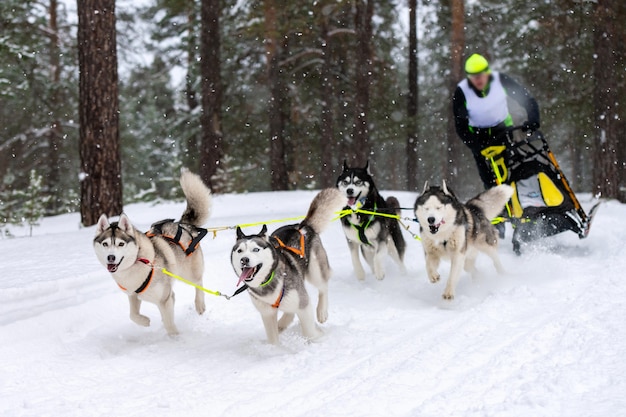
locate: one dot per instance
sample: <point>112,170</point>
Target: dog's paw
<point>448,296</point>
<point>434,278</point>
<point>141,320</point>
<point>380,276</point>
<point>360,275</point>
<point>322,314</point>
<point>200,307</point>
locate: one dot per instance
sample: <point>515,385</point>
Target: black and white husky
<point>457,231</point>
<point>275,268</point>
<point>135,259</point>
<point>376,236</point>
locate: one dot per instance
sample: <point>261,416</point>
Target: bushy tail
<point>492,201</point>
<point>393,206</point>
<point>323,209</point>
<point>198,197</point>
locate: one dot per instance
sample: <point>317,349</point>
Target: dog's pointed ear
<point>240,234</point>
<point>103,224</point>
<point>367,168</point>
<point>425,187</point>
<point>125,225</point>
<point>445,188</point>
<point>345,165</point>
<point>263,231</point>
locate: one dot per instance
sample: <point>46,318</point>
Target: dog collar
<point>267,281</point>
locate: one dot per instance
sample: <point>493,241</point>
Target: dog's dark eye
<point>256,250</point>
<point>121,244</point>
<point>239,250</point>
<point>105,244</point>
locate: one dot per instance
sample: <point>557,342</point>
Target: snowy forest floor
<point>547,339</point>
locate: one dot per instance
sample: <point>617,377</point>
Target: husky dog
<point>450,229</point>
<point>135,260</point>
<point>374,235</point>
<point>274,268</point>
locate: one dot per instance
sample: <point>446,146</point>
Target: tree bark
<point>412,103</point>
<point>606,152</point>
<point>457,46</point>
<point>327,177</point>
<point>101,176</point>
<point>278,163</point>
<point>364,10</point>
<point>56,132</point>
<point>191,151</point>
<point>211,117</point>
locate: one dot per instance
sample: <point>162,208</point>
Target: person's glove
<point>530,127</point>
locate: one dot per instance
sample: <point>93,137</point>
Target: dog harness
<point>144,286</point>
<point>362,227</point>
<point>298,251</point>
<point>157,230</point>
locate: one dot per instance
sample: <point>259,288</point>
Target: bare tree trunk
<point>211,118</point>
<point>457,45</point>
<point>606,175</point>
<point>412,103</point>
<point>278,164</point>
<point>364,10</point>
<point>101,176</point>
<point>327,177</point>
<point>191,148</point>
<point>55,133</point>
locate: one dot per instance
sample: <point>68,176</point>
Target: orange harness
<point>157,230</point>
<point>144,286</point>
<point>300,252</point>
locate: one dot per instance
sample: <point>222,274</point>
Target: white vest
<point>487,111</point>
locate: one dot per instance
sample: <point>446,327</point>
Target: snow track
<point>547,339</point>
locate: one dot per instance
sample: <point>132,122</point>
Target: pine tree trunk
<point>412,103</point>
<point>278,163</point>
<point>101,176</point>
<point>457,46</point>
<point>191,156</point>
<point>607,44</point>
<point>327,177</point>
<point>360,133</point>
<point>211,118</point>
<point>56,132</point>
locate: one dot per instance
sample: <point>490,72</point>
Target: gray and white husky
<point>375,236</point>
<point>275,268</point>
<point>457,231</point>
<point>135,259</point>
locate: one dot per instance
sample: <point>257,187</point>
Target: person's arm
<point>461,117</point>
<point>522,96</point>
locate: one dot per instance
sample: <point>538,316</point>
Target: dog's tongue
<point>112,267</point>
<point>245,274</point>
<point>351,201</point>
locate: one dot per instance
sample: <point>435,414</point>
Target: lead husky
<point>135,259</point>
<point>376,236</point>
<point>274,268</point>
<point>450,229</point>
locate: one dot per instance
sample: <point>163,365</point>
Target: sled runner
<point>543,203</point>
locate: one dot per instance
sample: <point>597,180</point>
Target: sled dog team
<point>274,267</point>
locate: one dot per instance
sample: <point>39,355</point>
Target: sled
<point>543,203</point>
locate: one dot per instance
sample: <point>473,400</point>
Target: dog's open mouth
<point>113,267</point>
<point>434,228</point>
<point>352,200</point>
<point>248,272</point>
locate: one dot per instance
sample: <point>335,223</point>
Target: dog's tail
<point>393,206</point>
<point>492,201</point>
<point>324,208</point>
<point>198,197</point>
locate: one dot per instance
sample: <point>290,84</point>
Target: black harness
<point>197,234</point>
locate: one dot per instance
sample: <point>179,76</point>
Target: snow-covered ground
<point>548,339</point>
